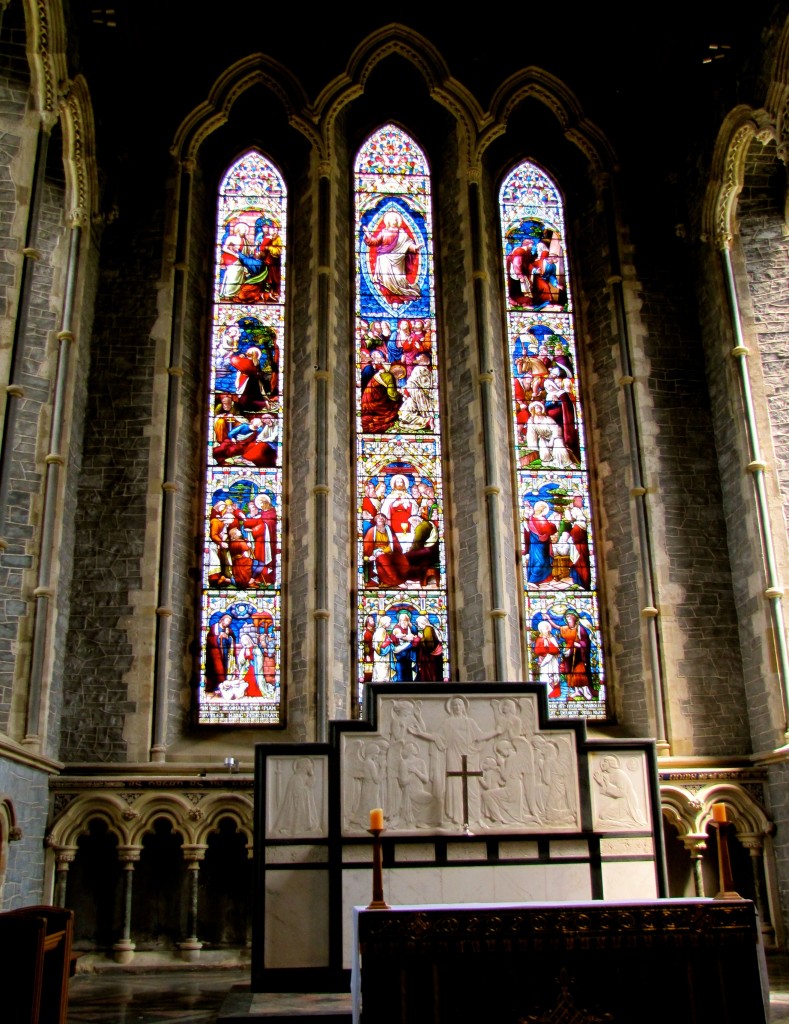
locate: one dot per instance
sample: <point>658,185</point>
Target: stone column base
<point>190,950</point>
<point>123,951</point>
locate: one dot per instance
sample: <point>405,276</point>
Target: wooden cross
<point>464,775</point>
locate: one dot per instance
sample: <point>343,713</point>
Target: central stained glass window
<point>401,561</point>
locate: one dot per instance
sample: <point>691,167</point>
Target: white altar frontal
<point>485,801</point>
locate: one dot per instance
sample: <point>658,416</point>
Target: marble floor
<point>196,996</point>
<point>189,997</point>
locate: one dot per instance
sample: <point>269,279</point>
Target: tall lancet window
<point>401,562</point>
<point>242,572</point>
<point>559,568</point>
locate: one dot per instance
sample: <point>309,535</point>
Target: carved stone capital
<point>129,854</point>
<point>194,852</point>
<point>695,843</point>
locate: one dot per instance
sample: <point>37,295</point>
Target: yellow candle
<point>377,818</point>
<point>719,812</point>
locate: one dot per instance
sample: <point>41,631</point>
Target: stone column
<point>191,946</point>
<point>124,948</point>
<point>64,856</point>
<point>696,844</point>
<point>754,843</point>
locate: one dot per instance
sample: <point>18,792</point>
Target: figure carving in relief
<point>366,771</point>
<point>457,735</point>
<point>556,791</point>
<point>622,806</point>
<point>297,814</point>
<point>502,804</point>
<point>510,726</point>
<point>416,802</point>
<point>404,717</point>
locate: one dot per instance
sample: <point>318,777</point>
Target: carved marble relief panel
<point>296,797</point>
<point>619,791</point>
<point>457,763</point>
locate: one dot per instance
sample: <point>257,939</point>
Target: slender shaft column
<point>696,844</point>
<point>321,614</point>
<point>64,857</point>
<point>638,491</point>
<point>124,947</point>
<point>774,590</point>
<point>487,390</point>
<point>15,391</point>
<point>191,946</point>
<point>56,458</point>
<point>164,611</point>
<point>754,844</point>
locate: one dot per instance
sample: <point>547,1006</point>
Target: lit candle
<point>377,818</point>
<point>719,812</point>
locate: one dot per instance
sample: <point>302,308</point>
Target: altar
<point>485,800</point>
<point>688,961</point>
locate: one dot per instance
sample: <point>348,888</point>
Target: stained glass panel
<point>242,571</point>
<point>559,567</point>
<point>400,556</point>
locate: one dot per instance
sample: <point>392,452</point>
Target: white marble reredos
<point>520,780</point>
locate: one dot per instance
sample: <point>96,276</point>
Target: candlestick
<point>377,902</point>
<point>719,812</point>
<point>377,819</point>
<point>725,880</point>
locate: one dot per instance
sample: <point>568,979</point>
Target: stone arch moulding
<point>738,128</point>
<point>46,50</point>
<point>75,820</point>
<point>535,83</point>
<point>257,69</point>
<point>727,173</point>
<point>79,153</point>
<point>218,806</point>
<point>130,820</point>
<point>396,39</point>
<point>690,812</point>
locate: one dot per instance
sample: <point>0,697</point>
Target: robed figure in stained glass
<point>394,254</point>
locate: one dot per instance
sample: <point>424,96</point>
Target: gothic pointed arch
<point>257,69</point>
<point>47,51</point>
<point>397,40</point>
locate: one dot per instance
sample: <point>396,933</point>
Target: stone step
<point>281,1007</point>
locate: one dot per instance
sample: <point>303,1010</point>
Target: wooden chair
<point>36,944</point>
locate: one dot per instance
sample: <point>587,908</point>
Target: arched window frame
<point>560,579</point>
<point>401,564</point>
<point>241,608</point>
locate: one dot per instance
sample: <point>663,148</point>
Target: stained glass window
<point>401,562</point>
<point>242,572</point>
<point>559,567</point>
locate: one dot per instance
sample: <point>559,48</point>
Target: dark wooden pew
<point>36,963</point>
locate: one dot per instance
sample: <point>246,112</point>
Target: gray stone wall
<point>77,354</point>
<point>610,462</point>
<point>340,426</point>
<point>778,794</point>
<point>743,546</point>
<point>15,180</point>
<point>186,555</point>
<point>698,627</point>
<point>468,575</point>
<point>765,248</point>
<point>300,455</point>
<point>27,789</point>
<point>111,506</point>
